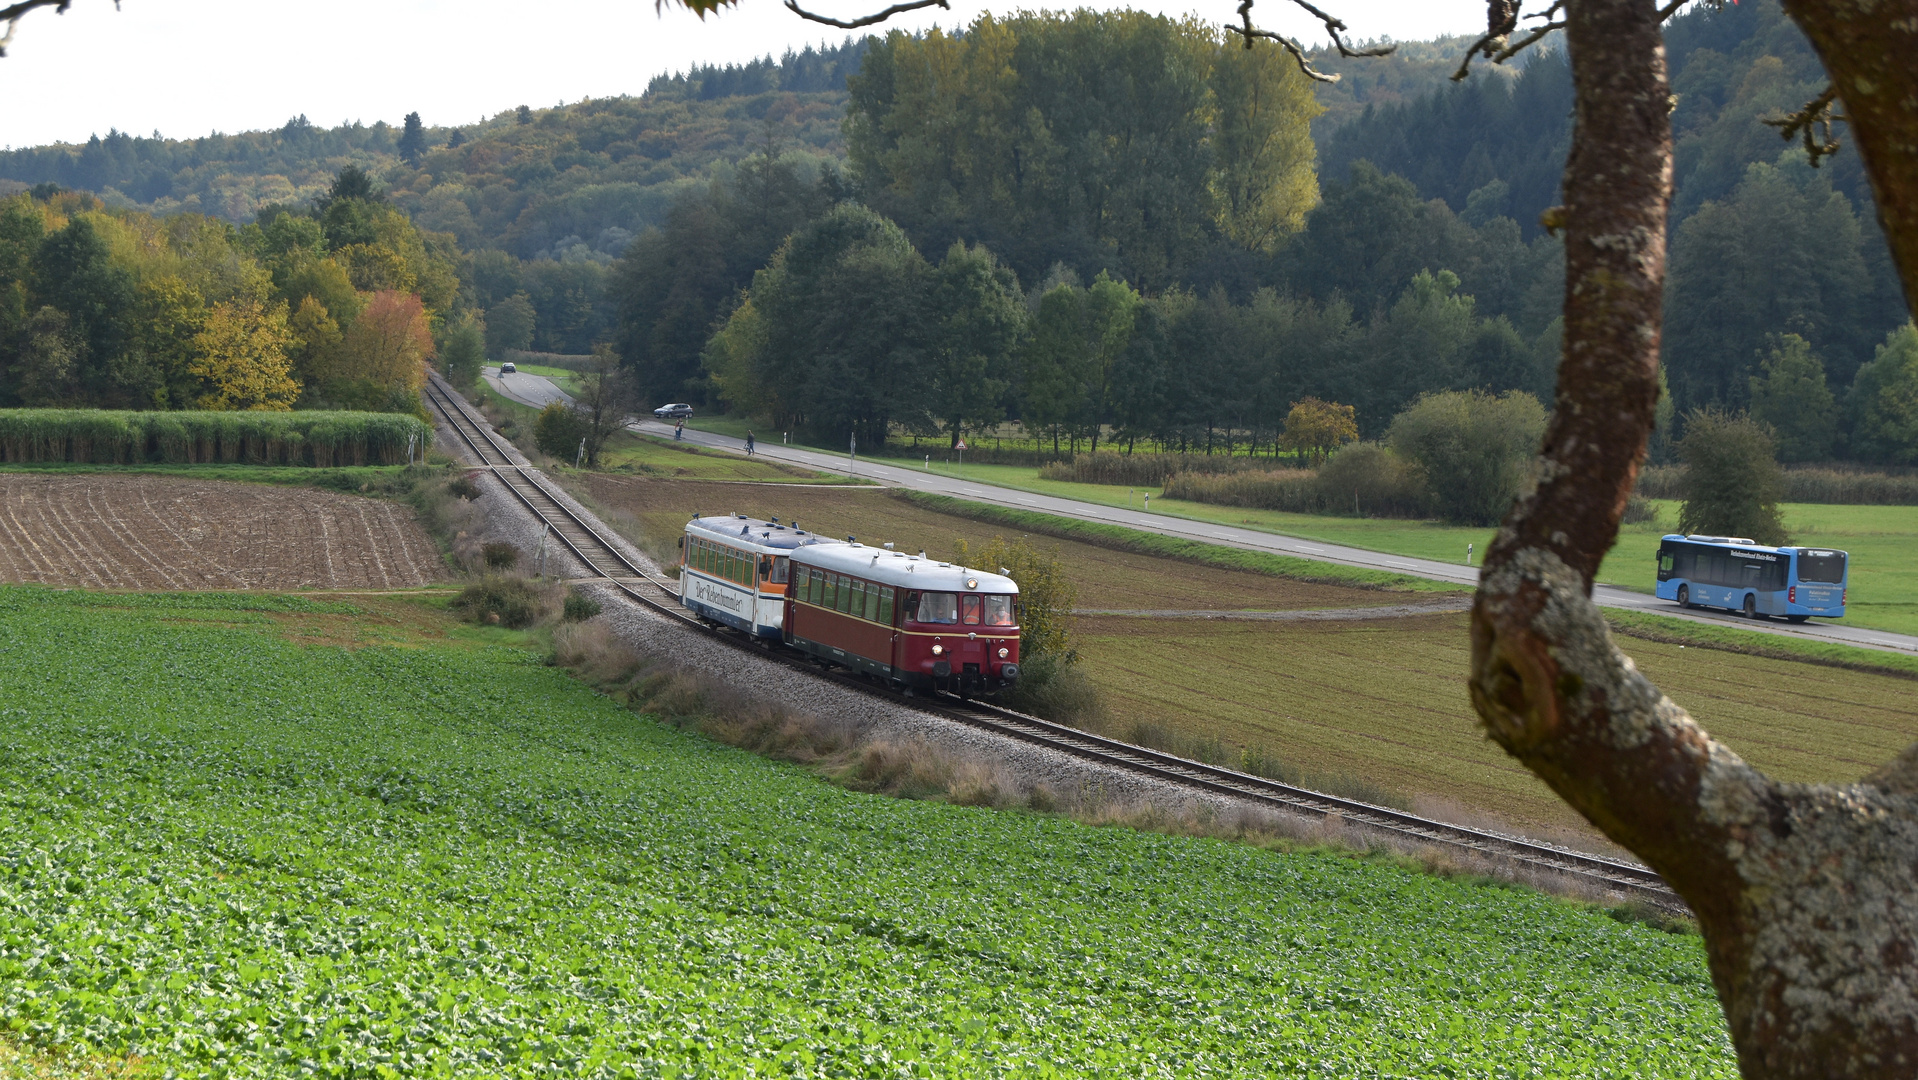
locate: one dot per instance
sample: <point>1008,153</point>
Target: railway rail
<point>604,560</point>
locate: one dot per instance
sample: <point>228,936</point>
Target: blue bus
<point>1736,574</point>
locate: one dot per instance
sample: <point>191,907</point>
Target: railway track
<point>605,560</point>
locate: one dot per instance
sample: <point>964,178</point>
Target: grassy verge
<point>1170,547</point>
<point>1777,647</point>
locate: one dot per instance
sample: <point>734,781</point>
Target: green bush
<point>1732,479</point>
<point>309,438</point>
<point>1370,480</point>
<point>1476,450</point>
<point>558,430</point>
<point>579,607</point>
<point>500,556</point>
<point>1838,485</point>
<point>494,600</point>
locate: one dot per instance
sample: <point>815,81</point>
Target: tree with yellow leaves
<point>240,357</point>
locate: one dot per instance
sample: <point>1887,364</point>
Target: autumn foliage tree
<point>1315,428</point>
<point>385,352</point>
<point>241,357</point>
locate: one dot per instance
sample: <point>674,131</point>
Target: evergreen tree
<point>412,142</point>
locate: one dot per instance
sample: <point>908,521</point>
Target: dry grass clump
<point>510,601</point>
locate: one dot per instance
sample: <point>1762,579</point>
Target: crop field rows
<point>107,531</point>
<point>235,854</point>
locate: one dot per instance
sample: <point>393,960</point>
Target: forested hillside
<point>1195,235</point>
<point>1763,244</point>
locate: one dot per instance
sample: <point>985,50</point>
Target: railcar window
<point>846,586</point>
<point>872,603</point>
<point>782,570</point>
<point>1822,567</point>
<point>831,597</point>
<point>998,611</point>
<point>816,587</point>
<point>938,607</point>
<point>971,609</point>
<point>885,604</point>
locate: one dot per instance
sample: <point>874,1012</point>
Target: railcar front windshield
<point>1821,567</point>
<point>938,607</point>
<point>998,611</point>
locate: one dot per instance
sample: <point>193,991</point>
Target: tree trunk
<point>1805,893</point>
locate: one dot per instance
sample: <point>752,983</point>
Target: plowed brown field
<point>113,531</point>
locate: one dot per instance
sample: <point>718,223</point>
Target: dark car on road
<point>673,412</point>
<point>507,368</point>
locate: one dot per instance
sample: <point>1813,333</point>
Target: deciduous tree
<point>1315,428</point>
<point>1732,479</point>
<point>240,357</point>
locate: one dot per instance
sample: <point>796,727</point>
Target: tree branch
<point>12,13</point>
<point>1814,123</point>
<point>1333,27</point>
<point>879,17</point>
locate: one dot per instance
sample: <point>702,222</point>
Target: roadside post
<point>581,455</point>
<point>852,449</point>
<point>1468,554</point>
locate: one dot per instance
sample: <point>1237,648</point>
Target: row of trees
<point>331,307</point>
<point>850,328</point>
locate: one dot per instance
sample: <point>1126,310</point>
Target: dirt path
<point>114,531</point>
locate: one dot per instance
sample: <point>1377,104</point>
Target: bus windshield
<point>1821,567</point>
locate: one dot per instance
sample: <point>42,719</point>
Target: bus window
<point>782,570</point>
<point>998,611</point>
<point>971,610</point>
<point>1666,559</point>
<point>938,607</point>
<point>1822,567</point>
<point>885,604</point>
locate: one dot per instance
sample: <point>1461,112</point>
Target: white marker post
<point>852,449</point>
<point>962,454</point>
<point>1468,554</point>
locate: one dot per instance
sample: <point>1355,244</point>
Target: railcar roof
<point>900,570</point>
<point>742,531</point>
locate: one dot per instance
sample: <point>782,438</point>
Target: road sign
<point>961,446</point>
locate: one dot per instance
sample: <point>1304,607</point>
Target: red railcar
<point>905,618</point>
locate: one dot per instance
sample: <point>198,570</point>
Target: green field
<point>259,836</point>
<point>1883,540</point>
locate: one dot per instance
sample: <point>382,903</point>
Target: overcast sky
<point>188,67</point>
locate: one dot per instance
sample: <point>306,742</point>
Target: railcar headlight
<point>938,650</point>
<point>1003,653</point>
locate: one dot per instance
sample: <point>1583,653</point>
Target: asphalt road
<point>535,390</point>
<point>886,472</point>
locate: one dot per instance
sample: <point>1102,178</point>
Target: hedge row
<point>1804,484</point>
<point>102,437</point>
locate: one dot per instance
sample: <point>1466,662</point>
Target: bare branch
<point>11,15</point>
<point>854,24</point>
<point>1813,123</point>
<point>1333,25</point>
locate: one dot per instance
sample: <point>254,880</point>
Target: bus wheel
<point>1796,618</point>
<point>1685,596</point>
<point>1751,606</point>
